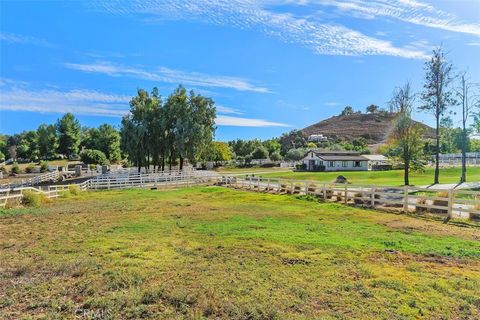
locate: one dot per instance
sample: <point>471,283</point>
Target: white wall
<point>337,165</point>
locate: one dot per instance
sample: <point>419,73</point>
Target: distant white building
<point>318,160</point>
<point>317,138</point>
<point>378,162</point>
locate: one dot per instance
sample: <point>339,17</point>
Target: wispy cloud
<point>332,103</point>
<point>246,122</point>
<point>17,96</point>
<point>227,110</point>
<point>410,11</point>
<point>322,38</point>
<point>163,74</point>
<point>87,102</point>
<point>23,39</point>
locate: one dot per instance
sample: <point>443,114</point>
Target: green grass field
<point>387,178</point>
<point>218,253</point>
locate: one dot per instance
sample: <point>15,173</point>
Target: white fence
<point>453,202</point>
<point>115,180</point>
<point>46,177</point>
<point>455,159</point>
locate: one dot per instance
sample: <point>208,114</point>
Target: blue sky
<point>270,66</point>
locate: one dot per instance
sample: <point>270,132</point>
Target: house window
<point>357,164</point>
<point>320,163</point>
<point>344,164</point>
<point>331,163</point>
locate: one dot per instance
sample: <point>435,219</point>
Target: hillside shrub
<point>31,199</point>
<point>29,168</point>
<point>15,168</point>
<point>3,169</point>
<point>43,166</point>
<point>91,156</point>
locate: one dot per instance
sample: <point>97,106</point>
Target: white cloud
<point>163,74</point>
<point>22,39</point>
<point>474,44</point>
<point>322,38</point>
<point>227,110</point>
<point>86,102</point>
<point>332,103</point>
<point>16,96</point>
<point>246,122</point>
<point>410,11</point>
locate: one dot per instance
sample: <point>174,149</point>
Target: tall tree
<point>406,134</point>
<point>292,140</point>
<point>437,95</point>
<point>105,138</point>
<point>47,141</point>
<point>69,130</point>
<point>469,101</point>
<point>3,146</point>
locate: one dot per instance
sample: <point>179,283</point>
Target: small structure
<point>317,138</point>
<point>378,162</point>
<point>321,160</point>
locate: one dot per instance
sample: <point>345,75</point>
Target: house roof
<point>375,157</point>
<point>342,158</point>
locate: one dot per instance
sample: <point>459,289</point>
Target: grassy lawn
<point>389,178</point>
<point>213,252</point>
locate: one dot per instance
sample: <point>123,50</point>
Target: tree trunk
<point>463,178</point>
<point>406,180</point>
<point>437,151</point>
<point>181,163</point>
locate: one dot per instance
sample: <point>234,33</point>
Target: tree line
<point>444,92</point>
<point>66,138</point>
<point>156,132</point>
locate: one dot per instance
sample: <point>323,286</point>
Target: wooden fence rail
<point>452,202</point>
<point>165,179</point>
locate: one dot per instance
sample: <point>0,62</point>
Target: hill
<point>375,128</point>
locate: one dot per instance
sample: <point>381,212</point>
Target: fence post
<point>268,184</point>
<point>372,195</point>
<point>324,191</point>
<point>306,188</point>
<point>346,193</point>
<point>405,199</point>
<point>450,203</point>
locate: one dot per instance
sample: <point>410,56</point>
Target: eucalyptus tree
<point>437,95</point>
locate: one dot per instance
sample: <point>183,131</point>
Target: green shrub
<point>90,156</point>
<point>31,199</point>
<point>29,168</point>
<point>74,189</point>
<point>43,166</point>
<point>15,168</point>
<point>3,169</point>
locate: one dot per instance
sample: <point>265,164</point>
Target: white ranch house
<point>335,161</point>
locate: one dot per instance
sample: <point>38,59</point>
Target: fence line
<point>452,202</point>
<point>163,179</point>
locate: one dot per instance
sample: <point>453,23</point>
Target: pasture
<point>212,252</point>
<point>381,178</point>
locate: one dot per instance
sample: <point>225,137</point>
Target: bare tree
<point>469,101</point>
<point>406,133</point>
<point>437,96</point>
